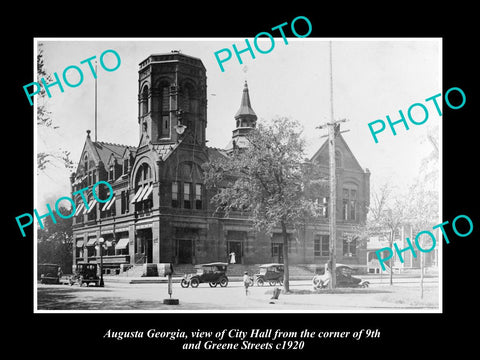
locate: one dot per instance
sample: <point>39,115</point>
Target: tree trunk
<point>392,259</point>
<point>286,275</point>
<point>422,266</point>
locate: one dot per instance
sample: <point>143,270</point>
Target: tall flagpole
<point>95,101</point>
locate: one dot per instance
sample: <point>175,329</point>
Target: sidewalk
<point>177,278</point>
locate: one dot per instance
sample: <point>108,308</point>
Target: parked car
<point>49,273</point>
<point>212,273</point>
<point>85,273</point>
<point>344,278</point>
<point>273,273</point>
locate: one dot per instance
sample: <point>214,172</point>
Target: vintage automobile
<point>344,278</point>
<point>49,273</point>
<point>273,273</point>
<point>212,273</point>
<point>85,273</point>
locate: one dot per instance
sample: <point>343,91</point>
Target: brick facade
<point>161,212</point>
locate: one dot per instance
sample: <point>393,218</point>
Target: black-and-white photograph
<point>279,174</point>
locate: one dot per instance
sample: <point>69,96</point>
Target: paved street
<point>120,295</point>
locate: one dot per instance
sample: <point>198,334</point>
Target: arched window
<point>165,110</point>
<point>338,159</point>
<point>144,100</point>
<point>143,198</point>
<point>85,162</point>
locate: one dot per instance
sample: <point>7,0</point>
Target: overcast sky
<point>372,78</point>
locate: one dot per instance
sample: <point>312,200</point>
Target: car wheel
<point>272,283</point>
<point>212,284</point>
<point>260,282</point>
<point>184,283</point>
<point>194,283</point>
<point>224,282</point>
<point>365,284</point>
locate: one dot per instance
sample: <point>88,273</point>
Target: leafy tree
<point>45,121</point>
<point>266,180</point>
<point>55,241</point>
<point>386,214</point>
<point>424,200</point>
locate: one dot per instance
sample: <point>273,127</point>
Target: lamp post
<point>100,243</point>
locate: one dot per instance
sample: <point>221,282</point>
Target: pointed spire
<point>245,106</point>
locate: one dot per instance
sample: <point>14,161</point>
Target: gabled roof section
<point>215,153</point>
<point>105,150</point>
<point>101,151</point>
<point>340,144</point>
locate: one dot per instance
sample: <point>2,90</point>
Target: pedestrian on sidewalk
<point>246,281</point>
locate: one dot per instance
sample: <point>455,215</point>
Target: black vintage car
<point>344,278</point>
<point>85,273</point>
<point>271,273</point>
<point>49,273</point>
<point>213,273</point>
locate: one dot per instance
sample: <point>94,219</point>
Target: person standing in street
<point>246,281</point>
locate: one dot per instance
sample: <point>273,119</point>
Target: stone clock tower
<point>172,99</point>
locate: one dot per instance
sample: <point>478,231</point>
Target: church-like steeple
<point>246,120</point>
<point>246,112</point>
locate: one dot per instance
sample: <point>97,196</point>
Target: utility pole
<point>333,131</point>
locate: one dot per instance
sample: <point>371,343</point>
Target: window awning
<point>79,209</point>
<point>142,194</point>
<point>137,194</point>
<point>149,191</point>
<point>109,204</point>
<point>91,205</point>
<point>122,244</point>
<point>92,242</point>
<point>80,243</point>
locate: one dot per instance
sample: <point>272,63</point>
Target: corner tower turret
<point>172,101</point>
<point>246,121</point>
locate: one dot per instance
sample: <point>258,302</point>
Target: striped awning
<point>79,209</point>
<point>91,205</point>
<point>92,242</point>
<point>149,191</point>
<point>108,204</point>
<point>137,194</point>
<point>122,244</point>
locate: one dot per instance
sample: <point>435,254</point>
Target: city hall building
<point>160,210</point>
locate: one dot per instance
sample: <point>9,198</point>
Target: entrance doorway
<point>144,245</point>
<point>236,248</point>
<point>277,252</point>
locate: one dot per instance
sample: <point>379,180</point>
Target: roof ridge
<point>109,143</point>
